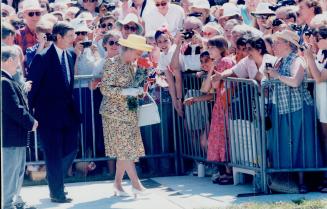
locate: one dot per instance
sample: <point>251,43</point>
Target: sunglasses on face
<point>31,14</point>
<point>43,5</point>
<point>262,17</point>
<point>163,4</point>
<point>4,14</point>
<point>108,26</point>
<point>130,28</point>
<point>81,33</point>
<point>111,43</point>
<point>91,1</point>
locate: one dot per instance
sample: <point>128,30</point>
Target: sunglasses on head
<point>163,4</point>
<point>31,14</point>
<point>83,33</point>
<point>111,43</point>
<point>130,28</point>
<point>91,1</point>
<point>108,26</point>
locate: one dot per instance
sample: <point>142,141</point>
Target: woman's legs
<point>131,171</point>
<point>120,171</point>
<point>129,167</point>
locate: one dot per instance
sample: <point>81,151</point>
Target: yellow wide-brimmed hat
<point>137,42</point>
<point>289,36</point>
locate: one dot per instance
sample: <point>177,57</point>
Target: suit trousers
<point>60,149</point>
<point>14,161</point>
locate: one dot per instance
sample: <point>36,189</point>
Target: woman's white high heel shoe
<point>137,192</point>
<point>120,193</point>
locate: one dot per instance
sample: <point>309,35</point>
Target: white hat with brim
<point>263,9</point>
<point>230,9</point>
<point>289,36</point>
<point>98,4</point>
<point>128,19</point>
<point>74,10</point>
<point>85,16</point>
<point>9,9</point>
<point>135,42</point>
<point>31,5</point>
<point>201,4</point>
<point>80,26</point>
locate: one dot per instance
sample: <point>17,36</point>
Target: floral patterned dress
<point>122,137</point>
<point>217,133</point>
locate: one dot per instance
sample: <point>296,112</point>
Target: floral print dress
<point>217,134</point>
<point>122,137</point>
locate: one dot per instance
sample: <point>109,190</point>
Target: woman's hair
<point>315,4</point>
<point>107,17</point>
<point>241,41</point>
<point>215,26</point>
<point>219,42</point>
<point>109,35</point>
<point>163,31</point>
<point>258,44</point>
<point>7,29</point>
<point>204,54</point>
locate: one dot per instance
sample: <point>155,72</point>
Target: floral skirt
<point>122,139</point>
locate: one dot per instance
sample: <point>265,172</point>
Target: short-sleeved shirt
<point>173,19</point>
<point>246,68</point>
<point>25,38</point>
<point>165,59</point>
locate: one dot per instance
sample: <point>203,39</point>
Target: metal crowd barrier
<point>155,143</point>
<point>308,156</point>
<point>193,128</point>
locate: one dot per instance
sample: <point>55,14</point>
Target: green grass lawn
<point>295,204</point>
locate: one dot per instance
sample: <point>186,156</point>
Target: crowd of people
<point>138,47</point>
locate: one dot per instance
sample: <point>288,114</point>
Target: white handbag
<point>148,114</point>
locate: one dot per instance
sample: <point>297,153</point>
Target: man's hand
<point>79,49</point>
<point>27,86</point>
<point>36,124</point>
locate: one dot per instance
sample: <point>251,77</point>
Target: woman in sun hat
<point>289,132</point>
<point>201,8</point>
<point>120,123</point>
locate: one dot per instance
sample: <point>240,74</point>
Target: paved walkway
<point>166,192</point>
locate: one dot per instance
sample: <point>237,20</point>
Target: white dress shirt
<point>59,52</point>
<point>173,20</point>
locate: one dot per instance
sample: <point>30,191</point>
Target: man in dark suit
<point>51,97</point>
<point>16,122</point>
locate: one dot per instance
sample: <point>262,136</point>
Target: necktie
<point>64,68</point>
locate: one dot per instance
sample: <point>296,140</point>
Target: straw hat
<point>201,4</point>
<point>289,36</point>
<point>263,9</point>
<point>9,9</point>
<point>131,17</point>
<point>81,2</point>
<point>135,42</point>
<point>29,5</point>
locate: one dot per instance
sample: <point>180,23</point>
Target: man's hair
<point>315,4</point>
<point>7,52</point>
<point>61,28</point>
<point>7,29</point>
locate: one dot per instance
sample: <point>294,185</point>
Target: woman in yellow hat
<point>120,123</point>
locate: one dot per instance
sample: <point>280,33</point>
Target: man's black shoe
<point>61,200</point>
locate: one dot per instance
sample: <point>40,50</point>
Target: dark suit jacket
<point>50,98</point>
<point>16,119</point>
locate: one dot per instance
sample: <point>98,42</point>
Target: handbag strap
<point>150,97</point>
